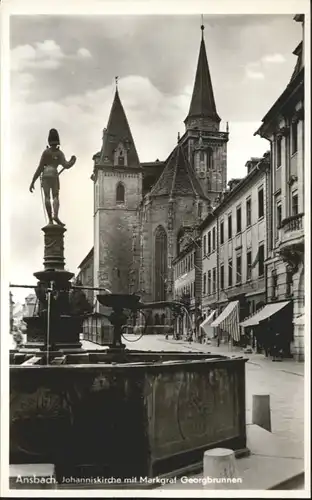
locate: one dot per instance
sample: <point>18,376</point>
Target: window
<point>200,210</point>
<point>209,158</point>
<point>294,204</point>
<point>248,212</point>
<point>120,193</point>
<point>230,226</point>
<point>274,284</point>
<point>161,264</point>
<point>205,284</point>
<point>222,276</point>
<point>209,242</point>
<point>238,269</point>
<point>230,273</point>
<point>278,152</point>
<point>261,260</point>
<point>121,159</point>
<point>222,232</point>
<point>213,239</point>
<point>214,280</point>
<point>204,245</point>
<point>248,265</point>
<point>201,156</point>
<point>238,219</point>
<point>260,203</point>
<point>278,214</point>
<point>294,137</point>
<point>209,282</point>
<point>289,281</point>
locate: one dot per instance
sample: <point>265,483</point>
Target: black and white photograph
<point>155,193</point>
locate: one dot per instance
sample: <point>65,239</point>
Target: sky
<point>62,75</point>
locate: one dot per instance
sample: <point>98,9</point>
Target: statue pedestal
<point>60,329</point>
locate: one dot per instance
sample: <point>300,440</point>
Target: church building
<point>145,213</point>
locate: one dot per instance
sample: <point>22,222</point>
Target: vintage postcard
<point>155,188</point>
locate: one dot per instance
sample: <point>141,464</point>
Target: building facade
<point>234,244</point>
<point>283,127</point>
<point>86,276</point>
<point>187,280</point>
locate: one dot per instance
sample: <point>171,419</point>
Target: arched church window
<point>209,158</point>
<point>201,156</point>
<point>120,193</point>
<point>200,210</point>
<point>161,263</point>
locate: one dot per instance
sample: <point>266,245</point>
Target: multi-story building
<point>187,280</point>
<point>234,244</point>
<point>30,305</point>
<point>85,275</point>
<point>283,126</point>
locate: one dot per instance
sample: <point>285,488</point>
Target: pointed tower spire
<point>117,137</point>
<point>202,104</point>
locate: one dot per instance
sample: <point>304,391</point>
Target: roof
<point>263,164</point>
<point>295,83</point>
<point>87,257</point>
<point>117,131</point>
<point>178,178</point>
<point>297,52</point>
<point>203,103</point>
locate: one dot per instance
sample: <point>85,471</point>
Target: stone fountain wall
<point>91,419</point>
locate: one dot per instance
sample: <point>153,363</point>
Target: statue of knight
<point>51,158</point>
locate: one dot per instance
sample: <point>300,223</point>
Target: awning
<point>228,320</point>
<point>207,321</point>
<point>266,312</point>
<point>225,313</point>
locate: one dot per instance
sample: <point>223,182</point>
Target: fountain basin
<point>149,415</point>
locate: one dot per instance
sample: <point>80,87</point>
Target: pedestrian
<point>279,348</point>
<point>189,335</point>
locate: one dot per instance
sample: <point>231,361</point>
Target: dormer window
<point>120,157</point>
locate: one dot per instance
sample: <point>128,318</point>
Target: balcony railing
<point>293,223</point>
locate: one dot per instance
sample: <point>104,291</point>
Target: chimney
<point>233,183</point>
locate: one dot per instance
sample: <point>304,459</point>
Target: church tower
<point>203,143</point>
<point>117,178</point>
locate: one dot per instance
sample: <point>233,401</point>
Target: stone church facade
<point>145,213</point>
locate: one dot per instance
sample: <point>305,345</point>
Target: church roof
<point>117,131</point>
<point>203,103</point>
<point>178,178</point>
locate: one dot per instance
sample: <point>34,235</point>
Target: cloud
<point>253,71</point>
<point>47,55</point>
<point>42,55</point>
<point>85,53</point>
<point>274,58</point>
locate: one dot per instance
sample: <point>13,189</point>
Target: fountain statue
<point>51,158</point>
